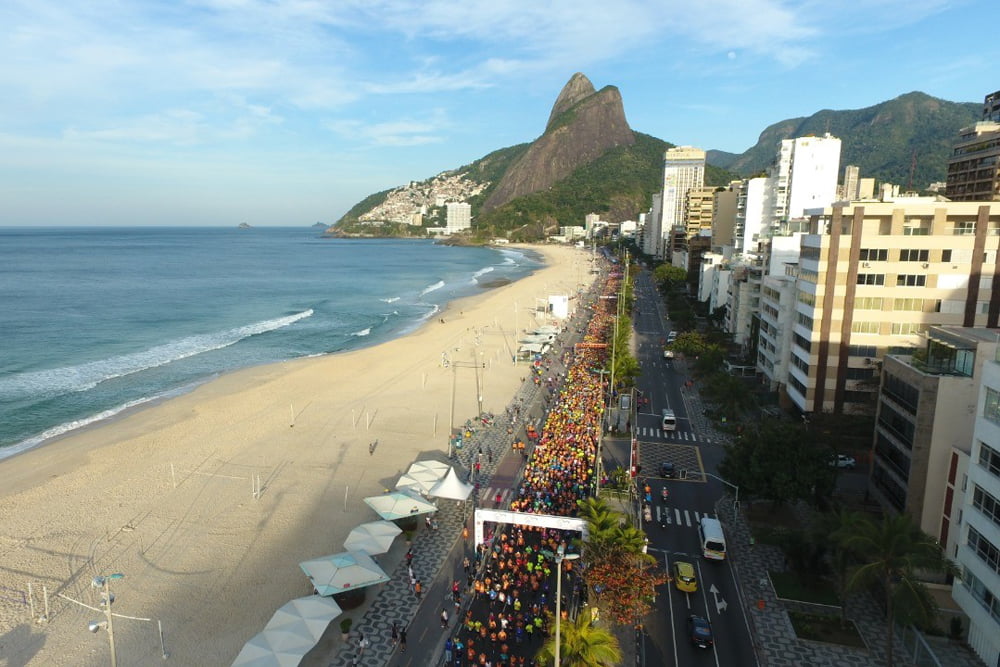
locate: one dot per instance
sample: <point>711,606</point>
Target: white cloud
<point>401,132</point>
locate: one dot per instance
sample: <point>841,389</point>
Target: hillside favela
<point>590,400</point>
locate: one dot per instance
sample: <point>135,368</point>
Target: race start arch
<point>526,519</point>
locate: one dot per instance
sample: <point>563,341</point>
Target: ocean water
<point>94,321</point>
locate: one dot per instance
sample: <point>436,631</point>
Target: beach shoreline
<point>163,494</point>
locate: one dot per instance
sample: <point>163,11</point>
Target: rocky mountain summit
<point>583,125</point>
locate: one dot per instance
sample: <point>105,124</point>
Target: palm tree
<point>891,553</point>
<point>582,644</point>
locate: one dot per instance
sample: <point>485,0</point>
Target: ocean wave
<point>393,299</point>
<point>482,271</point>
<point>363,332</point>
<point>68,379</point>
<point>62,429</point>
<point>430,288</point>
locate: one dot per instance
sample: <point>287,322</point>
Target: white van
<point>713,542</point>
<point>669,420</point>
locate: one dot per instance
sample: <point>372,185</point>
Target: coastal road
<point>673,533</point>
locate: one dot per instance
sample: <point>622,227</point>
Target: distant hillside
<point>880,139</point>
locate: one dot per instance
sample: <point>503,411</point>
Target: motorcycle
<point>664,494</point>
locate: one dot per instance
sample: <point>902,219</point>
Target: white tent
<point>343,572</point>
<point>451,487</point>
<point>422,475</point>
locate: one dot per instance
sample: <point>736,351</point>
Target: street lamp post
<point>105,583</point>
<point>560,557</point>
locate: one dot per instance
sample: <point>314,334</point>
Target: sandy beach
<point>164,495</point>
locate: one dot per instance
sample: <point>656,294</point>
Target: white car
<point>843,461</point>
<point>668,354</point>
<point>672,336</point>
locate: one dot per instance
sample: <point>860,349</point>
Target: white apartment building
<point>977,553</point>
<point>683,169</point>
<point>751,198</point>
<point>459,217</point>
<point>774,332</point>
<point>803,177</point>
<point>872,278</point>
<point>651,231</point>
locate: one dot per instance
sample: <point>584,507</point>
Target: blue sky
<point>274,112</point>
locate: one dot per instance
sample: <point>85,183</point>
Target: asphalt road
<point>673,532</point>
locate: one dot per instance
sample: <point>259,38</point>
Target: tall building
<point>991,107</point>
<point>724,215</point>
<point>459,217</point>
<point>849,190</point>
<point>974,165</point>
<point>683,169</point>
<point>872,278</point>
<point>924,421</point>
<point>698,210</point>
<point>751,205</point>
<point>977,553</point>
<point>804,176</point>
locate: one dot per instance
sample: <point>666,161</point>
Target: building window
<point>984,549</point>
<point>989,459</point>
<point>913,255</point>
<point>863,351</point>
<point>871,279</point>
<point>991,408</point>
<point>865,327</point>
<point>910,280</point>
<point>946,255</point>
<point>986,503</point>
<point>802,342</point>
<point>908,328</point>
<point>874,254</point>
<point>806,298</point>
<point>965,227</point>
<point>802,319</point>
<point>868,303</point>
<point>902,392</point>
<point>979,591</point>
<point>797,385</point>
<point>800,364</point>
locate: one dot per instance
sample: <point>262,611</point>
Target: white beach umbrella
<point>372,538</point>
<point>398,505</point>
<point>274,648</point>
<point>308,615</point>
<point>343,572</point>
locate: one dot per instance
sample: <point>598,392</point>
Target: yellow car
<point>684,577</point>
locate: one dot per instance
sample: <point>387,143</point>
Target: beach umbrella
<point>307,616</point>
<point>419,483</point>
<point>451,487</point>
<point>274,648</point>
<point>399,505</point>
<point>343,572</point>
<point>430,468</point>
<point>372,538</point>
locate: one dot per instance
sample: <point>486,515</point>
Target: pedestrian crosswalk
<point>672,516</point>
<point>649,432</point>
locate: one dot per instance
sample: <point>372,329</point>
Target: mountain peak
<point>576,89</point>
<point>583,126</point>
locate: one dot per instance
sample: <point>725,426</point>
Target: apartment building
<point>974,165</point>
<point>751,198</point>
<point>924,426</point>
<point>977,552</point>
<point>872,278</point>
<point>699,206</point>
<point>804,176</point>
<point>459,217</point>
<point>683,169</point>
<point>774,331</point>
<point>724,215</point>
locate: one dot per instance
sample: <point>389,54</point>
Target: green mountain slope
<point>881,139</point>
<point>619,185</point>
